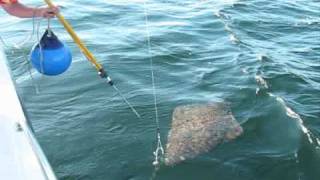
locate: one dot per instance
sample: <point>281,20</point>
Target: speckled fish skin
<point>197,129</point>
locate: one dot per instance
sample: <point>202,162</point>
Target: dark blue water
<point>263,57</point>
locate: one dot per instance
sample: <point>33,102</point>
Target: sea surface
<point>260,56</point>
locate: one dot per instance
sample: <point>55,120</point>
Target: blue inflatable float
<point>53,58</point>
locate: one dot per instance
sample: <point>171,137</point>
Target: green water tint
<point>126,101</point>
<point>196,60</point>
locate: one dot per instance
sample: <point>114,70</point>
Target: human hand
<point>47,12</point>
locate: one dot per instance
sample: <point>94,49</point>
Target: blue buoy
<point>54,58</point>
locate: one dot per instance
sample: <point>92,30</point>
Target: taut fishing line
<point>102,72</point>
<point>159,152</point>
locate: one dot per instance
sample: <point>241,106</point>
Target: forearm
<point>21,10</point>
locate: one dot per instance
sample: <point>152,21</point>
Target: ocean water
<point>262,57</point>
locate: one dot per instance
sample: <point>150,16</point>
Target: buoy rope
<point>26,39</point>
<point>40,49</point>
<point>20,44</point>
<point>101,71</point>
<point>158,153</point>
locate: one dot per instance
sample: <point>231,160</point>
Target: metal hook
<point>158,152</point>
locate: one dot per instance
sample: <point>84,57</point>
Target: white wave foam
<point>296,116</point>
<point>302,50</point>
<point>227,28</point>
<point>244,71</point>
<point>308,21</point>
<point>233,38</point>
<point>217,13</point>
<point>261,81</point>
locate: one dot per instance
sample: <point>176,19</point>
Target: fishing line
<point>27,39</point>
<point>40,50</point>
<point>102,72</point>
<point>3,42</point>
<point>90,57</point>
<point>159,152</point>
<point>109,80</point>
<point>126,101</point>
<point>19,45</point>
<point>37,26</point>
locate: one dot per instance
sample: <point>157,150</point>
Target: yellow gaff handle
<point>89,55</point>
<point>77,40</point>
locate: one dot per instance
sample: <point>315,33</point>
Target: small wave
<point>117,129</point>
<point>227,28</point>
<point>234,39</point>
<point>261,82</point>
<point>296,116</point>
<point>217,3</point>
<point>302,50</point>
<point>244,71</point>
<point>168,23</point>
<point>261,56</point>
<point>27,77</point>
<point>125,2</point>
<point>222,3</point>
<point>308,21</point>
<point>217,13</point>
<point>223,18</point>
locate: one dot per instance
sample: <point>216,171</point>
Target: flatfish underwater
<point>197,129</point>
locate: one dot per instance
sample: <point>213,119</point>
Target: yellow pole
<point>89,55</point>
<point>77,40</point>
